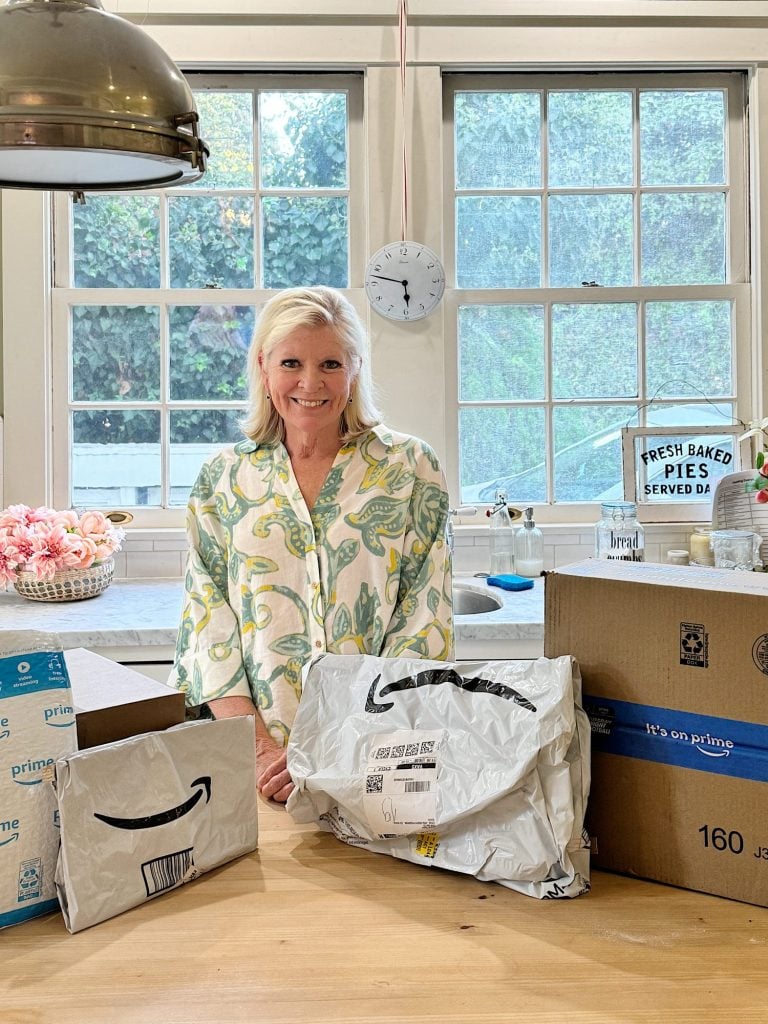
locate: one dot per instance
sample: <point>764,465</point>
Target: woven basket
<point>67,585</point>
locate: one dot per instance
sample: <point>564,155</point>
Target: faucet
<point>463,510</point>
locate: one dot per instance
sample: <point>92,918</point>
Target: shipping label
<point>401,782</point>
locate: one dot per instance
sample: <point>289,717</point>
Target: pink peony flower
<point>13,516</point>
<point>9,559</point>
<point>93,524</point>
<point>68,519</point>
<point>22,539</point>
<point>86,550</point>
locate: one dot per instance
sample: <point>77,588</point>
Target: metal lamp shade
<point>89,102</point>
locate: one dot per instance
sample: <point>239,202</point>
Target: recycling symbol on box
<point>692,643</point>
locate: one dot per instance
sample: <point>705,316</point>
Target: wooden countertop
<point>309,930</point>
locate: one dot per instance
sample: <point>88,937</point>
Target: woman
<point>323,531</point>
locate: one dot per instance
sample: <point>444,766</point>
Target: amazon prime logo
<point>9,831</point>
<point>162,817</point>
<point>436,677</point>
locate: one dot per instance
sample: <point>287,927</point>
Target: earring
<point>269,398</point>
<point>350,400</point>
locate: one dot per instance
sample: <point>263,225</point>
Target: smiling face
<point>309,378</point>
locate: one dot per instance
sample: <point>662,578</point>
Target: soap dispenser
<point>502,537</point>
<point>529,548</point>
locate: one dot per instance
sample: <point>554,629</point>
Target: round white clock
<point>404,281</point>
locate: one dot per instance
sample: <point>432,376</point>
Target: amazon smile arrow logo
<point>10,839</point>
<point>437,677</point>
<point>163,817</point>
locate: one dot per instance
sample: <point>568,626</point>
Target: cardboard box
<point>113,702</point>
<point>674,661</point>
<point>36,727</point>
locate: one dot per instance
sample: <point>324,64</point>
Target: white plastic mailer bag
<point>149,813</point>
<point>476,767</point>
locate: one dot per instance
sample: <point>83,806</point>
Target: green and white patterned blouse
<point>269,583</point>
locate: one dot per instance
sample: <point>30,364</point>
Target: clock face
<point>404,281</point>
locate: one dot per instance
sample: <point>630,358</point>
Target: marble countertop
<point>130,613</point>
<point>145,614</point>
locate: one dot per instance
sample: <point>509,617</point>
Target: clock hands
<point>382,278</point>
<point>406,296</point>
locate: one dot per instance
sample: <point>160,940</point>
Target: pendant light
<point>90,102</point>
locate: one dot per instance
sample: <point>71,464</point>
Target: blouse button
<point>318,643</point>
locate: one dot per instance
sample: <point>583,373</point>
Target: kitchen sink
<point>473,601</point>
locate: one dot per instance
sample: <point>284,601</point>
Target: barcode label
<point>166,872</point>
<point>401,782</point>
<point>416,787</point>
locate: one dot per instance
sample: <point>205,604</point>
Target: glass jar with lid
<point>618,534</point>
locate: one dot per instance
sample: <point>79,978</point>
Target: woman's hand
<point>272,778</point>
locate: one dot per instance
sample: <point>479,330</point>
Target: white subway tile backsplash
<point>463,541</point>
<point>470,559</point>
<point>119,558</point>
<point>144,564</point>
<point>169,544</point>
<point>148,553</point>
<point>564,554</point>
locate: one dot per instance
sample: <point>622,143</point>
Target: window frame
<point>737,289</point>
<point>63,296</point>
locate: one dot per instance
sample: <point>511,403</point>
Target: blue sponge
<point>510,582</point>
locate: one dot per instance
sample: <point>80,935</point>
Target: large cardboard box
<point>113,702</point>
<point>36,727</point>
<point>674,662</point>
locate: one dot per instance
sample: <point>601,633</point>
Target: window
<point>600,263</point>
<point>157,293</point>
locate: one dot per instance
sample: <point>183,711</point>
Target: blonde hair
<point>309,307</point>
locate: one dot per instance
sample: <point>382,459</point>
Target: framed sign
<point>671,472</point>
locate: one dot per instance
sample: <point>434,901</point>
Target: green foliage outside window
<point>571,152</point>
<point>212,244</point>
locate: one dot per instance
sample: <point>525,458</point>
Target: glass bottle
<point>502,537</point>
<point>618,535</point>
<point>529,548</point>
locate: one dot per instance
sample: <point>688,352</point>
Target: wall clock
<point>404,281</point>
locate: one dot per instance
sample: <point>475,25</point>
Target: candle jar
<point>701,552</point>
<point>618,535</point>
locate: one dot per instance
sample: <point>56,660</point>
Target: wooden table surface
<point>310,930</point>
